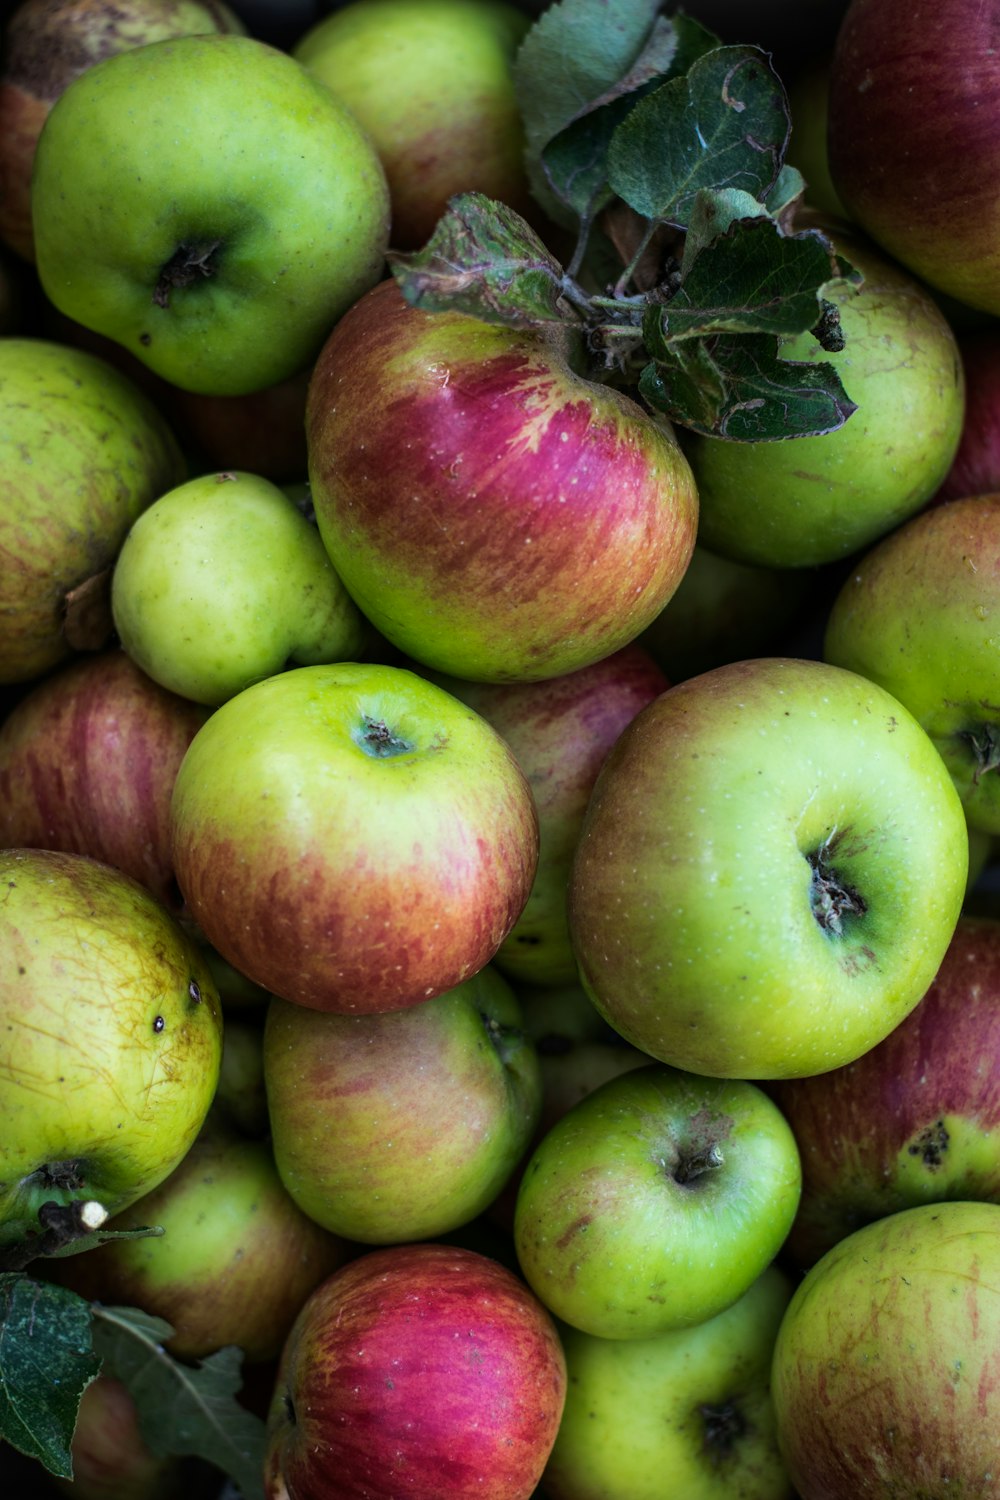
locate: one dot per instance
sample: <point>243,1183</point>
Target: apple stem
<point>695,1164</point>
<point>62,1224</point>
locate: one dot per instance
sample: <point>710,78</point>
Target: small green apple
<point>223,582</point>
<point>209,205</point>
<point>406,1125</point>
<point>656,1201</point>
<point>110,1037</point>
<point>688,1413</point>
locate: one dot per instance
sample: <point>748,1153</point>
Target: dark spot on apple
<point>931,1145</point>
<point>723,1427</point>
<point>145,339</point>
<point>527,939</point>
<point>158,1023</point>
<point>188,264</point>
<point>289,1408</point>
<point>578,1226</point>
<point>194,991</point>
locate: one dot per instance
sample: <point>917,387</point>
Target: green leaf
<point>786,194</point>
<point>104,1236</point>
<point>575,159</point>
<point>738,387</point>
<point>485,260</point>
<point>47,1360</point>
<point>725,124</point>
<point>182,1409</point>
<point>752,279</point>
<point>573,54</point>
<point>713,212</point>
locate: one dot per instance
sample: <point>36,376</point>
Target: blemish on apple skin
<point>577,1227</point>
<point>931,1145</point>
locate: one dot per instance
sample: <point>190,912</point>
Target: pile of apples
<point>497,916</point>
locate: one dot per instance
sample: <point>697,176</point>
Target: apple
<point>917,616</point>
<point>449,123</point>
<point>111,1459</point>
<point>46,43</point>
<point>401,1126</point>
<point>560,730</point>
<point>771,868</point>
<point>83,453</point>
<point>236,1260</point>
<point>655,1202</point>
<point>352,837</point>
<point>110,1038</point>
<point>88,759</point>
<point>808,101</point>
<point>916,1119</point>
<point>914,137</point>
<point>241,1095</point>
<point>975,469</point>
<point>173,214</point>
<point>263,432</point>
<point>685,1413</point>
<point>817,499</point>
<point>223,582</point>
<point>885,1377</point>
<point>495,515</point>
<point>423,1369</point>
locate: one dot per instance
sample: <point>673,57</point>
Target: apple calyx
<point>723,1426</point>
<point>378,740</point>
<point>506,1040</point>
<point>984,743</point>
<point>831,898</point>
<point>185,266</point>
<point>695,1163</point>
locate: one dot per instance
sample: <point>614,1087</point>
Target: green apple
<point>771,868</point>
<point>687,1413</point>
<point>656,1201</point>
<point>406,1125</point>
<point>241,1096</point>
<point>817,499</point>
<point>885,1375</point>
<point>209,205</point>
<point>236,1260</point>
<point>448,121</point>
<point>223,582</point>
<point>82,453</point>
<point>110,1038</point>
<point>920,616</point>
<point>352,837</point>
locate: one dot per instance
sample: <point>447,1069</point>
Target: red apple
<point>494,514</point>
<point>87,765</point>
<point>916,1119</point>
<point>419,1370</point>
<point>975,469</point>
<point>914,137</point>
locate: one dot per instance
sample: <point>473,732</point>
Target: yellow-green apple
<point>725,611</point>
<point>687,1413</point>
<point>83,453</point>
<point>817,499</point>
<point>808,102</point>
<point>450,122</point>
<point>886,1369</point>
<point>46,43</point>
<point>175,215</point>
<point>912,136</point>
<point>222,582</point>
<point>918,615</point>
<point>352,837</point>
<point>110,1038</point>
<point>771,868</point>
<point>496,515</point>
<point>560,730</point>
<point>406,1125</point>
<point>655,1201</point>
<point>975,469</point>
<point>235,1262</point>
<point>424,1365</point>
<point>916,1119</point>
<point>88,759</point>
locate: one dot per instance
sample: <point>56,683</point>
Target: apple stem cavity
<point>183,269</point>
<point>724,1426</point>
<point>984,742</point>
<point>378,739</point>
<point>695,1164</point>
<point>831,898</point>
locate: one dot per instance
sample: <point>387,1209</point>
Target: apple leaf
<point>47,1360</point>
<point>725,122</point>
<point>183,1409</point>
<point>485,260</point>
<point>738,387</point>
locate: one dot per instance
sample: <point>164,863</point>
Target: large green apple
<point>210,206</point>
<point>686,1414</point>
<point>886,1370</point>
<point>223,582</point>
<point>406,1125</point>
<point>817,499</point>
<point>770,871</point>
<point>655,1201</point>
<point>918,615</point>
<point>82,453</point>
<point>110,1037</point>
<point>449,121</point>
